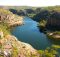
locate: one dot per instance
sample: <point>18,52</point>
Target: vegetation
<point>45,13</point>
<point>55,8</point>
<point>14,52</point>
<point>50,51</point>
<point>4,27</point>
<point>5,11</point>
<point>42,23</point>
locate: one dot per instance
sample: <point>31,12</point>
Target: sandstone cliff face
<point>10,18</point>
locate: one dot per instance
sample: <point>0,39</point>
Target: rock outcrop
<point>11,46</point>
<point>10,18</point>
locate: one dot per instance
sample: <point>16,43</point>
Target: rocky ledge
<point>54,35</point>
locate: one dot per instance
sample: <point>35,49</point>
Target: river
<point>29,33</point>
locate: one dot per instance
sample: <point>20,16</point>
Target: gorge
<point>26,33</point>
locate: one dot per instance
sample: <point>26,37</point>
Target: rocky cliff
<point>10,18</point>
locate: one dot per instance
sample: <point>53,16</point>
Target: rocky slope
<point>11,46</point>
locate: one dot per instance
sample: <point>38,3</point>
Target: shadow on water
<point>53,41</point>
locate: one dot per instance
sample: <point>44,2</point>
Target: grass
<point>4,28</point>
<point>2,11</point>
<point>31,15</point>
